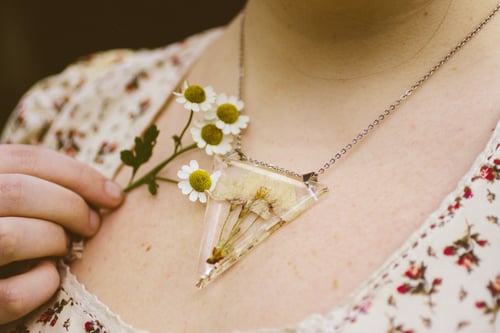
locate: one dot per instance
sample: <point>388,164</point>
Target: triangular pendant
<point>247,205</point>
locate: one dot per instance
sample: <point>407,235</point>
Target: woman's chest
<point>144,261</point>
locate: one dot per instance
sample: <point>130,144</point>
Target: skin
<point>34,182</point>
<point>308,84</point>
<point>380,193</point>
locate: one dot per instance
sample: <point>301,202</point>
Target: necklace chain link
<point>373,124</point>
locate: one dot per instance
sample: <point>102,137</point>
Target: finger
<point>60,169</point>
<point>27,238</point>
<point>21,294</point>
<point>27,196</point>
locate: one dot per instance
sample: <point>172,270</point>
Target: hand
<point>42,193</point>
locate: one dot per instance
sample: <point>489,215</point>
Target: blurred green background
<point>39,38</point>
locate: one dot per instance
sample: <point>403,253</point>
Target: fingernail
<point>94,220</point>
<point>112,190</point>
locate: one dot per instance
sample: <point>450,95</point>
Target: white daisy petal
<point>186,169</point>
<point>210,115</point>
<point>202,197</point>
<point>185,187</point>
<point>195,107</point>
<point>182,174</point>
<point>236,102</point>
<point>193,196</point>
<point>209,150</point>
<point>233,130</point>
<point>194,165</point>
<point>220,124</point>
<point>221,99</point>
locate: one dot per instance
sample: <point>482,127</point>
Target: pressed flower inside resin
<point>211,134</point>
<point>195,94</point>
<point>228,113</point>
<point>247,205</point>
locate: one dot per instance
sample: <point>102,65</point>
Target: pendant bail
<point>307,178</point>
<point>233,153</point>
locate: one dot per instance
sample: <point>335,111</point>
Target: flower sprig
<point>214,133</point>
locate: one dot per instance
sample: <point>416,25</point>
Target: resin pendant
<point>247,205</point>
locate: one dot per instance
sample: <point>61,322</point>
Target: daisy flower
<point>207,135</point>
<point>195,97</point>
<point>227,116</point>
<point>196,181</point>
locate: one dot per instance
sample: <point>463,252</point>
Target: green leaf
<point>177,139</point>
<point>127,157</point>
<point>151,134</point>
<point>143,149</point>
<point>153,187</point>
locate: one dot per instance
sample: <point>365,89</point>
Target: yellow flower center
<point>211,134</point>
<point>228,113</point>
<point>261,193</point>
<point>195,94</point>
<point>200,180</point>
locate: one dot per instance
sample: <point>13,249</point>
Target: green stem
<point>178,143</point>
<point>168,180</point>
<point>132,177</point>
<point>152,174</point>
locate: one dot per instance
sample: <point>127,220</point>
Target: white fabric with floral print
<point>445,278</point>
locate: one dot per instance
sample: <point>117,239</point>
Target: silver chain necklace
<point>250,203</point>
<point>372,125</point>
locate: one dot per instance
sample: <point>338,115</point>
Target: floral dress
<point>445,278</point>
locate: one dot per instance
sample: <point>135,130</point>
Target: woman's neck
<point>339,40</point>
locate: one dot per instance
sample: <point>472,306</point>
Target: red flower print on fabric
<point>94,326</point>
<point>397,328</point>
<point>51,315</point>
<point>418,284</point>
<point>134,83</point>
<point>67,141</point>
<point>463,249</point>
<point>492,306</point>
<point>104,149</point>
<point>489,172</point>
<point>467,194</point>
